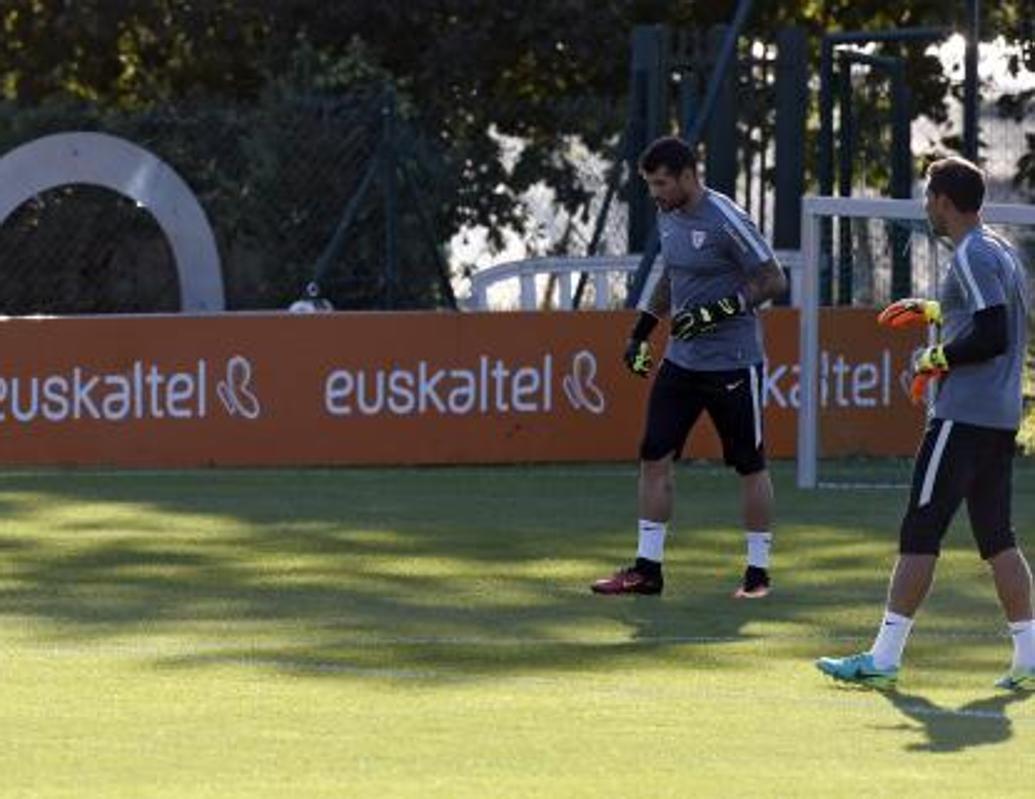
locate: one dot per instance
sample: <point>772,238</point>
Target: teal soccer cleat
<point>1017,680</point>
<point>858,669</point>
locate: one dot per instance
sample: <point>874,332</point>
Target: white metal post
<point>528,292</point>
<point>563,290</point>
<point>808,348</point>
<point>601,290</point>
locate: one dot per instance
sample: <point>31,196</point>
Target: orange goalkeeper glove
<point>911,311</point>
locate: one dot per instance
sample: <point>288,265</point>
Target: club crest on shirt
<point>697,238</point>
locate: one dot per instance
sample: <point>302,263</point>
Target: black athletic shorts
<point>957,462</point>
<point>733,401</point>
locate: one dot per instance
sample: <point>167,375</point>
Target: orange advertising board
<point>368,388</point>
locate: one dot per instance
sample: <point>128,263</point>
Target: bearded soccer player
<point>967,450</point>
<point>717,269</point>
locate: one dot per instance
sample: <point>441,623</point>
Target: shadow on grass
<point>420,573</point>
<point>982,722</point>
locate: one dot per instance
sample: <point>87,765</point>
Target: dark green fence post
<point>826,164</point>
<point>689,102</point>
<point>391,199</point>
<point>845,176</point>
<point>971,96</point>
<point>901,178</point>
<point>792,108</point>
<point>721,130</point>
<point>647,109</point>
<point>792,105</point>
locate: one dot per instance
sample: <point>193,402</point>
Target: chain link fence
<point>275,181</point>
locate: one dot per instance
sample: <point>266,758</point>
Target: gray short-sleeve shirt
<point>709,252</point>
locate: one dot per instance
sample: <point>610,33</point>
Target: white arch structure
<point>98,159</point>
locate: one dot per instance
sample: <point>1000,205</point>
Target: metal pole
<point>721,65</point>
<point>689,102</point>
<point>791,112</point>
<point>648,82</point>
<point>971,97</point>
<point>391,200</point>
<point>808,354</point>
<point>901,179</point>
<point>721,132</point>
<point>846,157</point>
<point>333,248</point>
<point>891,35</point>
<point>826,118</point>
<point>826,162</point>
<point>410,185</point>
<point>767,68</point>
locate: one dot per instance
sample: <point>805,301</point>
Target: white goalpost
<point>871,232</point>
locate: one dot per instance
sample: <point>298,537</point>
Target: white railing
<point>599,268</point>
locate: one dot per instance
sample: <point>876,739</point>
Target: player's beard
<point>671,205</point>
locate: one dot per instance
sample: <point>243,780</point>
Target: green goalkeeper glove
<point>690,323</point>
<point>929,363</point>
<point>930,359</point>
<point>638,358</point>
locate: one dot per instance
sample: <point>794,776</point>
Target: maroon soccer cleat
<point>629,581</point>
<point>755,584</point>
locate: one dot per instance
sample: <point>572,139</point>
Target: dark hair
<point>958,179</point>
<point>670,152</point>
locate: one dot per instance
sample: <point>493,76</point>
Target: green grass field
<point>429,633</point>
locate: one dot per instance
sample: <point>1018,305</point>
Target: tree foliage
<point>468,71</point>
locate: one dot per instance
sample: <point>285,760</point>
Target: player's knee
<point>919,540</point>
<point>655,449</point>
<point>656,476</point>
<point>748,463</point>
<point>991,545</point>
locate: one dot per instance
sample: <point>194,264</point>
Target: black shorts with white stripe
<point>957,462</point>
<point>732,399</point>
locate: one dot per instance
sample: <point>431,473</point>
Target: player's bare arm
<point>767,283</point>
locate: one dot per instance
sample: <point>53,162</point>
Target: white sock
<point>1023,634</point>
<point>891,640</point>
<point>759,544</point>
<point>652,540</point>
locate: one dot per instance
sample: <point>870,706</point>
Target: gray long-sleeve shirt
<point>985,271</point>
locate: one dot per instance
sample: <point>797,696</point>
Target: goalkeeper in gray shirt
<point>967,450</point>
<point>716,269</point>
